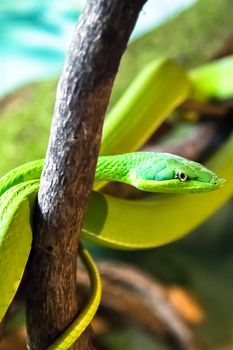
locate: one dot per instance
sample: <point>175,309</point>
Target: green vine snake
<point>153,172</point>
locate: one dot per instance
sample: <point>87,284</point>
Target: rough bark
<point>99,41</point>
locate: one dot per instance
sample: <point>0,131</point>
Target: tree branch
<point>99,41</point>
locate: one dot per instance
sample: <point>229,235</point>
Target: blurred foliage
<point>193,37</point>
<point>202,263</point>
<point>132,338</point>
<point>27,113</point>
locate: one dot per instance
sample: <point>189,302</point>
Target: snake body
<point>153,172</point>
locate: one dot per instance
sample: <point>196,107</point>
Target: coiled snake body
<point>153,172</point>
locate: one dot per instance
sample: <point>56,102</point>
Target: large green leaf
<point>213,80</point>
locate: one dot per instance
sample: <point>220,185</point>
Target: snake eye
<point>182,176</point>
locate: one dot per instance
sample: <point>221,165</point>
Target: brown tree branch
<point>99,41</point>
<point>217,110</point>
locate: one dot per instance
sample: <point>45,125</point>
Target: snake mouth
<point>218,181</point>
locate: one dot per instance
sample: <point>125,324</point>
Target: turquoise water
<point>34,37</point>
<point>35,34</point>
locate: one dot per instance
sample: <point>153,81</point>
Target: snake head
<point>167,173</point>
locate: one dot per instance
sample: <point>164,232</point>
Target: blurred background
<point>35,35</point>
<point>195,273</point>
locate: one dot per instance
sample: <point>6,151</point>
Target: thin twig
<point>207,108</point>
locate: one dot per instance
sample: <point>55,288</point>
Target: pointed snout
<point>217,181</point>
